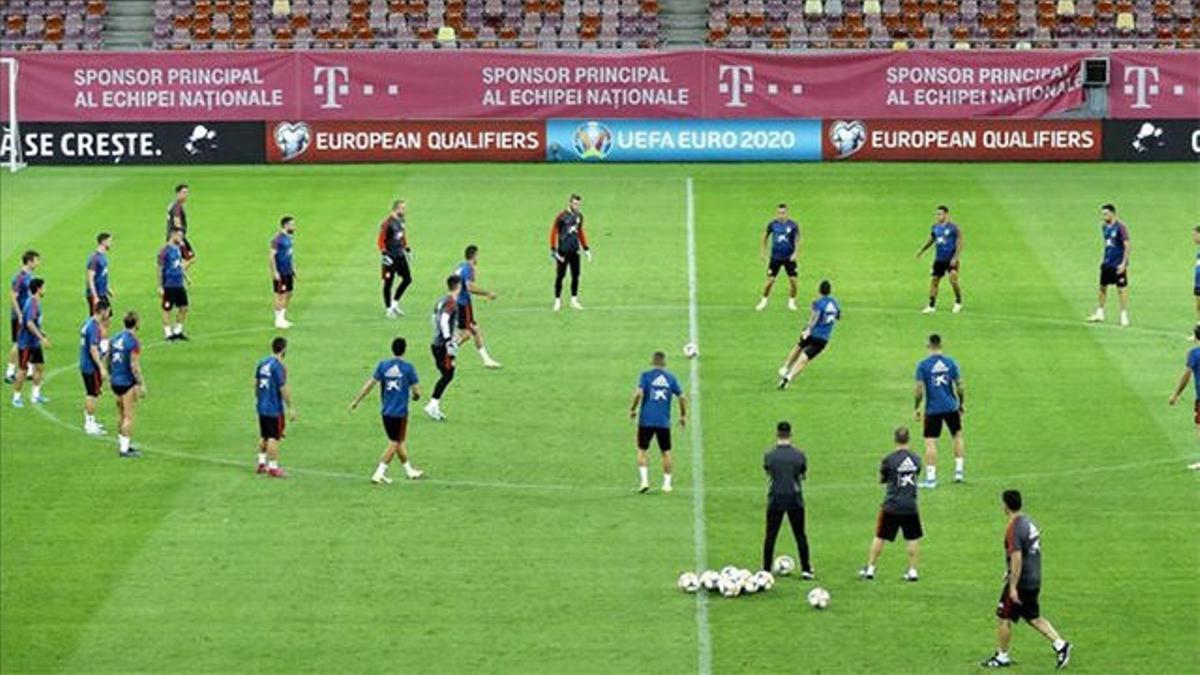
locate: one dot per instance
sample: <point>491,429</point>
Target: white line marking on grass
<point>699,536</point>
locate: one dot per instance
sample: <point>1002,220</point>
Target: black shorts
<point>1027,609</point>
<point>121,389</point>
<point>787,264</point>
<point>399,267</point>
<point>270,427</point>
<point>1196,291</point>
<point>933,424</point>
<point>92,383</point>
<point>15,327</point>
<point>284,284</point>
<point>889,523</point>
<point>1110,277</point>
<point>443,359</point>
<point>464,316</point>
<point>811,346</point>
<point>174,298</point>
<point>396,428</point>
<point>940,267</point>
<point>661,434</point>
<point>28,355</point>
<point>91,301</point>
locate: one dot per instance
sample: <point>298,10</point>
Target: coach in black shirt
<point>786,466</point>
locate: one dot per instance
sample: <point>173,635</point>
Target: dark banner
<point>962,140</point>
<point>1152,140</point>
<point>138,143</point>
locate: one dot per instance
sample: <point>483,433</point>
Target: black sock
<point>387,293</point>
<point>957,296</point>
<point>932,300</point>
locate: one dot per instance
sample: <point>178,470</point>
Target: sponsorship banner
<point>683,140</point>
<point>896,84</point>
<point>419,141</point>
<point>963,140</point>
<point>482,84</point>
<point>1154,84</point>
<point>1152,140</point>
<point>138,143</point>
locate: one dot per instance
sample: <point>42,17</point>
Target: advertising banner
<point>421,141</point>
<point>1154,84</point>
<point>963,140</point>
<point>683,140</point>
<point>1152,140</point>
<point>138,143</point>
<point>483,84</point>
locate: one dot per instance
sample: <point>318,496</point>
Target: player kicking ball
<point>1114,267</point>
<point>272,399</point>
<point>947,241</point>
<point>898,471</point>
<point>651,407</point>
<point>813,339</point>
<point>783,234</point>
<point>128,386</point>
<point>941,388</point>
<point>398,383</point>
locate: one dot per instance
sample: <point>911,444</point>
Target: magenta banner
<point>377,85</point>
<point>1154,84</point>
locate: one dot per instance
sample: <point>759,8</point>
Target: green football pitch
<point>526,550</point>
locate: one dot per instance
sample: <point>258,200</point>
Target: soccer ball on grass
<point>818,598</point>
<point>783,566</point>
<point>690,350</point>
<point>688,582</point>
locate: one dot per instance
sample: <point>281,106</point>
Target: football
<point>688,582</point>
<point>690,350</point>
<point>751,584</point>
<point>709,580</point>
<point>766,580</point>
<point>729,587</point>
<point>818,598</point>
<point>783,566</point>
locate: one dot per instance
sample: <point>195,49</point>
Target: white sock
<point>380,471</point>
<point>272,464</point>
<point>483,354</point>
<point>279,315</point>
<point>123,443</point>
<point>912,571</point>
<point>931,473</point>
<point>666,480</point>
<point>870,569</point>
<point>1059,644</point>
<point>262,458</point>
<point>16,396</point>
<point>37,390</point>
<point>89,420</point>
<point>958,464</point>
<point>408,468</point>
<point>166,331</point>
<point>644,472</point>
<point>1124,316</point>
<point>1001,656</point>
<point>435,403</point>
<point>1100,312</point>
<point>10,371</point>
<point>178,330</point>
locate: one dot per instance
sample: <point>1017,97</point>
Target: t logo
<point>1144,84</point>
<point>735,81</point>
<point>332,82</point>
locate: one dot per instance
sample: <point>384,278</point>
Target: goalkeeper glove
<point>588,252</point>
<point>386,259</point>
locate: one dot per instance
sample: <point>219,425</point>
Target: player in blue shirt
<point>784,236</point>
<point>468,272</point>
<point>398,383</point>
<point>652,408</point>
<point>172,285</point>
<point>18,294</point>
<point>826,312</point>
<point>940,385</point>
<point>125,371</point>
<point>31,340</point>
<point>947,241</point>
<point>1114,266</point>
<point>1191,371</point>
<point>283,270</point>
<point>272,400</point>
<point>97,287</point>
<point>1196,274</point>
<point>91,363</point>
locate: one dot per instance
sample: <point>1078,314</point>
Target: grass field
<point>527,550</point>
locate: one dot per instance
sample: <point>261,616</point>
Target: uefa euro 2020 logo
<point>593,140</point>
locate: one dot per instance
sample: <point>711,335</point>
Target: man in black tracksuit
<point>566,239</point>
<point>786,466</point>
<point>394,256</point>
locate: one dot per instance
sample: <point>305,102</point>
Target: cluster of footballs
<point>733,581</point>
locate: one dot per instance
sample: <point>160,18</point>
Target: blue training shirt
<point>466,272</point>
<point>396,378</point>
<point>30,311</point>
<point>98,263</point>
<point>945,238</point>
<point>658,388</point>
<point>939,373</point>
<point>270,375</point>
<point>171,260</point>
<point>282,243</point>
<point>120,358</point>
<point>20,286</point>
<point>1114,242</point>
<point>827,311</point>
<point>784,234</point>
<point>89,336</point>
<point>1193,363</point>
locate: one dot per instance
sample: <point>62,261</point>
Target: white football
<point>751,585</point>
<point>690,350</point>
<point>729,587</point>
<point>729,571</point>
<point>783,566</point>
<point>688,582</point>
<point>766,580</point>
<point>709,580</point>
<point>818,598</point>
